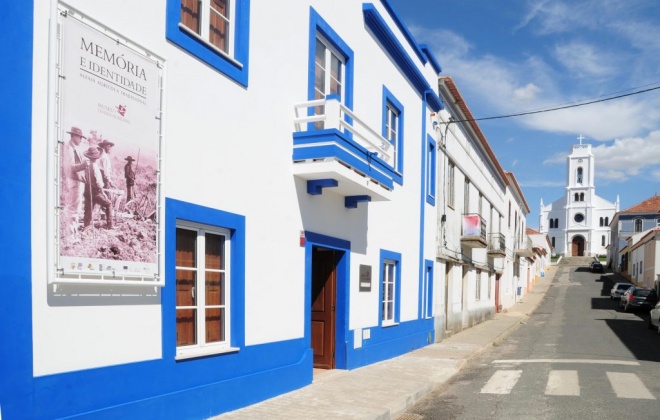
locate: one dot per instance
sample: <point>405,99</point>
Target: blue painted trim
<point>434,63</point>
<point>404,29</point>
<point>342,293</point>
<point>389,98</point>
<point>327,241</point>
<point>351,201</point>
<point>386,343</point>
<point>315,187</point>
<point>207,54</point>
<point>393,47</point>
<point>318,25</point>
<point>428,273</point>
<point>430,170</point>
<point>16,352</point>
<point>333,143</point>
<point>423,190</point>
<point>393,256</point>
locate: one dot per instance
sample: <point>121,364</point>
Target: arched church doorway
<point>577,248</point>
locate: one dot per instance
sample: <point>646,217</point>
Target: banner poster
<point>108,156</point>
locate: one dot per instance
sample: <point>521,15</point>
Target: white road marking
<point>580,361</point>
<point>628,385</point>
<point>502,382</point>
<point>563,382</point>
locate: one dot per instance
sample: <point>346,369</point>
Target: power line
<point>558,107</point>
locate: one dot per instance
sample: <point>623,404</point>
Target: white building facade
<point>578,222</point>
<point>266,212</point>
<point>481,222</point>
<point>200,217</point>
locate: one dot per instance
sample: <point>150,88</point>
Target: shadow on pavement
<point>637,337</point>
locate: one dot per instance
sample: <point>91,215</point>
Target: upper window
<point>450,184</point>
<point>466,196</point>
<point>579,218</point>
<point>579,175</point>
<point>581,196</point>
<point>202,287</point>
<point>639,224</point>
<point>577,197</point>
<point>553,241</point>
<point>390,287</point>
<point>393,129</point>
<point>215,31</point>
<point>430,170</point>
<point>330,66</point>
<point>602,240</point>
<point>328,72</point>
<point>657,222</point>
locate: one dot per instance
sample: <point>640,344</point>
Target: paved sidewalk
<point>387,389</point>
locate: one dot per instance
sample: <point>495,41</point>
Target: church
<point>578,223</point>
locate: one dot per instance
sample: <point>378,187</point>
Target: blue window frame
<point>181,217</point>
<point>390,287</point>
<point>430,170</point>
<point>392,130</point>
<point>220,38</point>
<point>320,31</point>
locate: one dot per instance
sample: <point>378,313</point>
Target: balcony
<point>474,231</point>
<point>496,245</point>
<point>334,149</point>
<point>524,248</point>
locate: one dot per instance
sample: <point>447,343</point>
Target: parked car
<point>597,267</point>
<point>637,298</point>
<point>619,289</point>
<point>654,318</point>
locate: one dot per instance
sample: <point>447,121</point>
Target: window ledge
<point>203,352</point>
<point>226,56</point>
<point>390,324</point>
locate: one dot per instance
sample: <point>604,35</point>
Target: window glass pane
<point>219,24</point>
<point>186,242</point>
<point>185,288</point>
<point>215,283</point>
<point>190,14</point>
<point>214,325</point>
<point>215,250</point>
<point>186,327</point>
<point>335,76</point>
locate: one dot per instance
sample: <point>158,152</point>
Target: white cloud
<point>584,60</point>
<point>629,157</point>
<point>526,93</point>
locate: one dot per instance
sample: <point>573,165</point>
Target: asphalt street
<point>576,357</point>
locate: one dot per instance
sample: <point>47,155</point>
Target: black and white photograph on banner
<point>108,156</point>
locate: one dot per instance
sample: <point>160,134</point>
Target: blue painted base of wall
<point>66,395</point>
<point>216,398</point>
<point>388,342</point>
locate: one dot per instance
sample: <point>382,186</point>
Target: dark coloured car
<point>619,289</point>
<point>638,299</point>
<point>597,268</point>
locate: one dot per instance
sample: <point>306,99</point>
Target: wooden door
<point>324,281</point>
<point>578,247</point>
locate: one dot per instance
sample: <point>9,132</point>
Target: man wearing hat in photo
<point>73,171</point>
<point>105,163</point>
<point>94,189</point>
<point>129,174</point>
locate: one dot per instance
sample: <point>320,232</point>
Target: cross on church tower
<point>581,137</point>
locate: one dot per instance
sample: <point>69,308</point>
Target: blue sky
<point>517,56</point>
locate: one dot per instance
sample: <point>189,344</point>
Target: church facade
<point>578,223</point>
